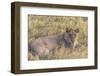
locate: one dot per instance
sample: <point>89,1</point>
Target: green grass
<point>40,26</point>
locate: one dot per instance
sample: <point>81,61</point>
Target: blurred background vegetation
<point>40,26</point>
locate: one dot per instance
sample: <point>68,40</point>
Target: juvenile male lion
<point>43,45</point>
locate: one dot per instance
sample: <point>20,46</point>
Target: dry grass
<point>40,26</point>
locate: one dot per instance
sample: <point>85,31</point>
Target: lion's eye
<point>74,35</point>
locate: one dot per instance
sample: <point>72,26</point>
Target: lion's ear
<point>77,30</point>
<point>68,29</point>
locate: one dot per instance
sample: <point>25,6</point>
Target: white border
<point>25,64</point>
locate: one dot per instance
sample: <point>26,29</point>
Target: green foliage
<point>40,26</point>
